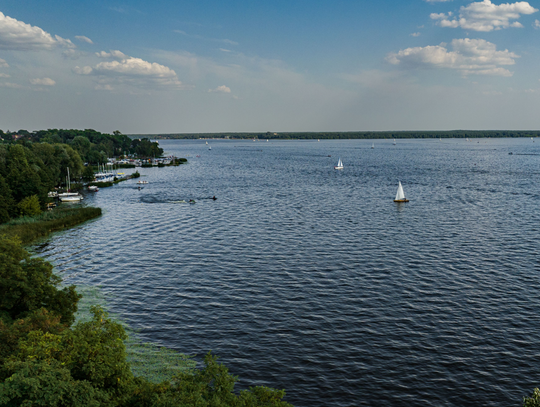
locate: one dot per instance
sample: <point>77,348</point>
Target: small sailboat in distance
<point>373,145</point>
<point>394,141</point>
<point>400,196</point>
<point>339,165</point>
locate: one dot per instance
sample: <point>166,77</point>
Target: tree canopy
<point>92,146</point>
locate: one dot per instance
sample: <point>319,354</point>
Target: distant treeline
<point>351,135</point>
<point>92,146</point>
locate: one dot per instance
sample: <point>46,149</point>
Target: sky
<point>185,66</point>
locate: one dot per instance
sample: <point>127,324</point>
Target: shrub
<point>29,206</point>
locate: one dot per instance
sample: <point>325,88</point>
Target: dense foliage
<point>92,146</point>
<point>44,361</point>
<point>32,164</point>
<point>28,171</point>
<point>353,135</point>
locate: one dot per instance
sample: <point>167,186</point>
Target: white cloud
<point>115,54</point>
<point>469,56</point>
<point>4,75</point>
<point>43,81</point>
<point>536,24</point>
<point>64,42</point>
<point>415,35</point>
<point>129,70</point>
<point>485,16</point>
<point>82,38</point>
<point>225,50</point>
<point>16,35</point>
<point>11,85</point>
<point>220,89</point>
<point>85,70</point>
<point>3,63</point>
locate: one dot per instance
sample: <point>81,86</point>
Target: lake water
<point>313,280</point>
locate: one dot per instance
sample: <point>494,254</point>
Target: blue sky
<point>211,66</point>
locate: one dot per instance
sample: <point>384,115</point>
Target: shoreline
<point>32,228</point>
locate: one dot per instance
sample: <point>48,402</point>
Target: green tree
<point>7,203</point>
<point>88,174</point>
<point>533,400</point>
<point>28,284</point>
<point>82,145</point>
<point>29,206</point>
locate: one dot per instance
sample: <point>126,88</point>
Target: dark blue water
<point>313,280</point>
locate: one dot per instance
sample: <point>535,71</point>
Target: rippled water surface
<point>313,280</point>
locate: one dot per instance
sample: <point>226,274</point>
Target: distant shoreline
<point>343,135</point>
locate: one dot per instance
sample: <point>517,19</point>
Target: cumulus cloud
<point>82,38</point>
<point>85,70</point>
<point>17,35</point>
<point>3,63</point>
<point>536,24</point>
<point>43,81</point>
<point>469,56</point>
<point>129,70</point>
<point>220,89</point>
<point>415,35</point>
<point>485,16</point>
<point>115,54</point>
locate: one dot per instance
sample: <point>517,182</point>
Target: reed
<point>29,229</point>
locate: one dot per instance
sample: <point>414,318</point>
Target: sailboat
<point>394,141</point>
<point>373,145</point>
<point>400,196</point>
<point>69,196</point>
<point>207,143</point>
<point>339,165</point>
<point>209,147</point>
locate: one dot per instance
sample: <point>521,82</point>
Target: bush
<point>533,401</point>
<point>29,206</point>
<point>135,174</point>
<point>29,284</point>
<point>102,184</point>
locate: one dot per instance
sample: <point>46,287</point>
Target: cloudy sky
<point>281,65</point>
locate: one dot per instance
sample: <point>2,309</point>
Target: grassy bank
<point>29,229</point>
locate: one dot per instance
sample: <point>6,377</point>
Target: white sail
<point>400,194</point>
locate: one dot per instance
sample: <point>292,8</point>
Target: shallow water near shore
<point>313,280</point>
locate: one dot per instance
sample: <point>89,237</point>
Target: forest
<point>350,135</point>
<point>92,146</point>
